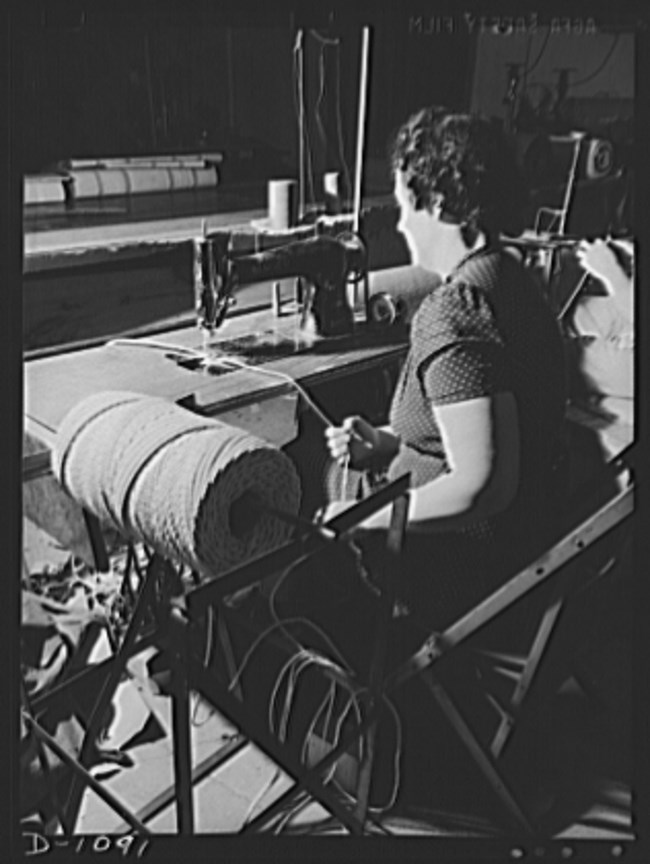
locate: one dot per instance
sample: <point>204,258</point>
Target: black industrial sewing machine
<point>327,264</point>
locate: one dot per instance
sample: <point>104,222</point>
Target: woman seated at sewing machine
<point>478,409</point>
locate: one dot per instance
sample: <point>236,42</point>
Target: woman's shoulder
<point>466,293</point>
<point>457,310</point>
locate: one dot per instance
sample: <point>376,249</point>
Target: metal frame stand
<point>549,653</point>
<point>190,674</point>
<point>171,635</point>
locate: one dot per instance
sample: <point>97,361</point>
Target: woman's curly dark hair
<point>468,164</point>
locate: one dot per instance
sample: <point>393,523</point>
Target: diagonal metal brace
<point>572,545</point>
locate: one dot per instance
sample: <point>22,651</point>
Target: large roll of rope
<point>187,486</point>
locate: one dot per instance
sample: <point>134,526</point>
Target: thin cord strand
<point>299,104</point>
<point>319,100</point>
<point>339,128</point>
<point>602,65</point>
<point>541,53</point>
<point>240,364</point>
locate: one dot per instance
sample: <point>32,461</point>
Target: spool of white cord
<point>176,481</point>
<point>282,204</point>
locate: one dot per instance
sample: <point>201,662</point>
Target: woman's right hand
<point>355,438</point>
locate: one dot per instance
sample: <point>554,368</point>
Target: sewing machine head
<point>213,292</point>
<point>327,264</point>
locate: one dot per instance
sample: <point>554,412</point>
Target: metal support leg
<point>537,653</point>
<point>181,724</point>
<point>104,700</point>
<point>481,757</point>
<point>85,777</point>
<point>97,543</point>
<point>376,679</point>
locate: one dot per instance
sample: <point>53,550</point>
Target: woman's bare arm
<point>481,440</point>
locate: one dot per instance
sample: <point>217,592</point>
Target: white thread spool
<point>331,188</point>
<point>282,204</point>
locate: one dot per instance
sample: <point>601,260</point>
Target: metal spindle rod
<point>361,126</point>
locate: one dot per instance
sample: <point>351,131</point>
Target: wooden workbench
<point>335,370</point>
<point>252,400</point>
<point>53,385</point>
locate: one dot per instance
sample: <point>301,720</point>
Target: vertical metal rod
<point>181,727</point>
<point>574,296</point>
<point>361,126</point>
<point>535,657</point>
<point>524,77</point>
<point>226,645</point>
<point>570,184</point>
<point>300,53</point>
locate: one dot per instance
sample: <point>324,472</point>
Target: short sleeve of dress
<point>463,372</point>
<point>457,345</point>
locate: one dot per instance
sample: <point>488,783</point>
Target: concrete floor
<point>578,780</point>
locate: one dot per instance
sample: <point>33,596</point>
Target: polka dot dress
<point>486,330</point>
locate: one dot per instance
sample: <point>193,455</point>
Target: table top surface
<point>276,349</point>
<point>270,344</point>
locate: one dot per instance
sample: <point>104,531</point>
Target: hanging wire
<point>302,801</point>
<point>344,678</point>
<point>275,776</point>
<point>339,128</point>
<point>240,364</point>
<point>602,65</point>
<point>541,53</point>
<point>319,100</point>
<point>325,40</point>
<point>207,657</point>
<point>299,107</point>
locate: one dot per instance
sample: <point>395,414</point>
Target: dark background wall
<point>92,83</point>
<point>95,79</point>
